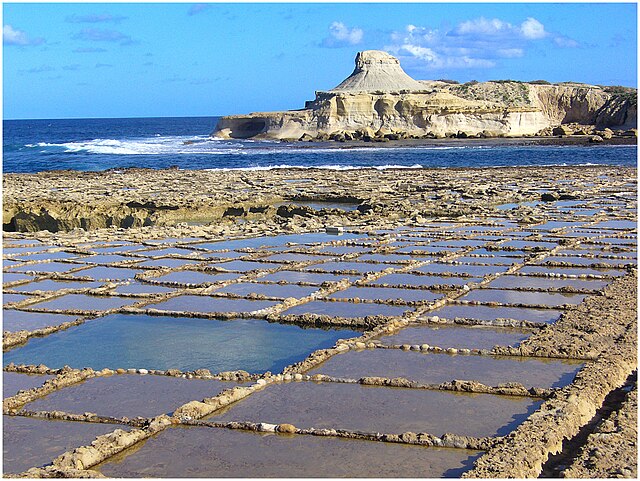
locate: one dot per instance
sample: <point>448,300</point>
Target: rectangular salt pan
<point>177,343</point>
<point>196,277</point>
<point>345,309</point>
<point>459,337</point>
<point>187,303</point>
<point>12,382</point>
<point>211,452</point>
<point>486,313</point>
<point>108,273</point>
<point>572,271</point>
<point>30,442</point>
<point>512,282</point>
<point>270,290</point>
<point>472,270</point>
<point>48,285</point>
<point>380,409</point>
<point>82,302</point>
<point>386,294</point>
<point>438,368</point>
<point>505,296</point>
<point>129,395</point>
<point>13,320</point>
<point>421,281</point>
<point>307,277</point>
<point>360,267</point>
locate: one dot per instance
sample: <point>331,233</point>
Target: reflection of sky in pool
<point>181,343</point>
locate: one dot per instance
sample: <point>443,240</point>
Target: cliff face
<point>380,97</point>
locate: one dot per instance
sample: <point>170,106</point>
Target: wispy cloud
<point>563,41</point>
<point>95,18</point>
<point>13,36</point>
<point>477,43</point>
<point>89,50</point>
<point>103,65</point>
<point>197,8</point>
<point>41,69</point>
<point>103,35</point>
<point>74,66</point>
<point>342,36</point>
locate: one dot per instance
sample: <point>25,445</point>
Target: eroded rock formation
<point>379,99</point>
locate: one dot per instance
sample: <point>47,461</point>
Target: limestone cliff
<point>380,98</point>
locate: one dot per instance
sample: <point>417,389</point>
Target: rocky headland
<point>380,102</point>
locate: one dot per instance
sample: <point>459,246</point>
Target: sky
<point>94,60</point>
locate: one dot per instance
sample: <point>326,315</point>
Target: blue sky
<point>78,60</point>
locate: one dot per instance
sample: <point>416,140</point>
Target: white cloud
<point>340,35</point>
<point>476,43</point>
<point>532,29</point>
<point>12,36</point>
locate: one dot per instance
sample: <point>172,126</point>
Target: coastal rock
<point>380,102</point>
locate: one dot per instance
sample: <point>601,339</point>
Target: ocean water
<point>100,144</point>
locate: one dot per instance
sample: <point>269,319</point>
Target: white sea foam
<point>203,145</point>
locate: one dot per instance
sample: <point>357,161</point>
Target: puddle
<point>116,249</point>
<point>129,395</point>
<point>501,253</point>
<point>491,313</point>
<point>138,288</point>
<point>209,452</point>
<point>294,257</point>
<point>160,342</point>
<point>421,281</point>
<point>473,270</point>
<point>294,277</point>
<point>552,299</point>
<point>381,409</point>
<point>47,256</point>
<point>172,240</point>
<point>519,244</point>
<point>13,277</point>
<point>494,261</point>
<point>13,320</point>
<point>360,267</point>
<point>469,337</point>
<point>12,382</point>
<point>438,368</point>
<point>167,263</point>
<point>48,285</point>
<point>572,271</point>
<point>245,266</point>
<point>271,290</point>
<point>197,277</point>
<point>345,309</point>
<point>512,282</point>
<point>108,273</point>
<point>585,261</point>
<point>170,251</point>
<point>388,258</point>
<point>32,442</point>
<point>83,302</point>
<point>554,224</point>
<point>109,259</point>
<point>46,267</point>
<point>341,250</point>
<point>429,249</point>
<point>616,224</point>
<point>459,243</point>
<point>386,294</point>
<point>189,303</point>
<point>9,298</point>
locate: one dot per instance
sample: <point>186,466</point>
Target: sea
<point>31,146</point>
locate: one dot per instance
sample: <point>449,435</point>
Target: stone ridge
<point>377,70</point>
